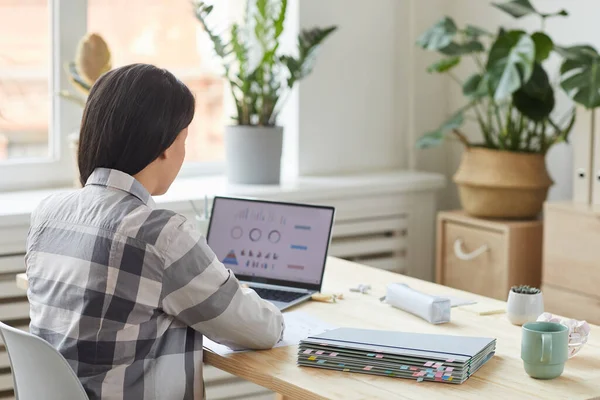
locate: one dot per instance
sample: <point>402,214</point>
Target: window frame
<point>58,168</point>
<point>67,24</point>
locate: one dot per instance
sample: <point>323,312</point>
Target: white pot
<point>253,154</point>
<point>523,308</point>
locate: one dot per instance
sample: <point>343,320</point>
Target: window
<point>167,34</point>
<point>24,80</point>
<point>38,37</point>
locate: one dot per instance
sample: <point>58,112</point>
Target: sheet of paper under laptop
<point>441,358</point>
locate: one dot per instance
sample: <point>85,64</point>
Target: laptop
<point>278,249</point>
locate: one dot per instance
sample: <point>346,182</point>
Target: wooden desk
<point>502,377</point>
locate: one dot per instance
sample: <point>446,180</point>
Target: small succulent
<point>524,289</point>
<point>92,59</point>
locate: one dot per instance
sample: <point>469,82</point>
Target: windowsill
<point>16,207</point>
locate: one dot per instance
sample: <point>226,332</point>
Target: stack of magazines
<point>422,357</point>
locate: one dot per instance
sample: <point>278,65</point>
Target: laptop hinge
<point>277,287</point>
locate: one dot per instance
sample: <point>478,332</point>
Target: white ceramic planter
<point>523,308</point>
<point>253,154</point>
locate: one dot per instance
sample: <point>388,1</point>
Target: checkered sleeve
<point>199,291</point>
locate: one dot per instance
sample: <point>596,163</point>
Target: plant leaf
<point>535,99</point>
<point>543,46</point>
<point>439,35</point>
<point>517,8</point>
<point>202,11</point>
<point>240,50</point>
<point>280,19</point>
<point>511,59</point>
<point>444,65</point>
<point>561,13</point>
<point>455,49</point>
<point>579,52</point>
<point>76,80</point>
<point>580,76</point>
<point>436,137</point>
<point>431,139</point>
<point>309,42</point>
<point>475,32</point>
<point>476,87</point>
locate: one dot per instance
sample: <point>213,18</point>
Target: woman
<point>122,289</point>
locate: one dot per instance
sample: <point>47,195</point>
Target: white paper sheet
<point>298,326</point>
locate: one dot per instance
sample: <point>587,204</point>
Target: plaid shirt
<point>125,292</point>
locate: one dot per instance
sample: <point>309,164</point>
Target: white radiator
<point>378,242</point>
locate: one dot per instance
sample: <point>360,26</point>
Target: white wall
<point>353,108</point>
<point>369,97</point>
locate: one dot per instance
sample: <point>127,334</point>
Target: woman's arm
<point>199,291</point>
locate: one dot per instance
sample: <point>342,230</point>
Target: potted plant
<point>92,59</point>
<point>511,98</point>
<point>525,304</point>
<point>253,145</point>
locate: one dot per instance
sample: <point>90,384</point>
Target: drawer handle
<point>460,253</point>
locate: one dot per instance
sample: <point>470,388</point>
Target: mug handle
<point>546,347</point>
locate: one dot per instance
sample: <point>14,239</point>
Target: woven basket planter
<point>502,184</point>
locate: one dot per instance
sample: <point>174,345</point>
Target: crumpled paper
<point>578,331</point>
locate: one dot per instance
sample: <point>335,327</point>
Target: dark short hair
<point>132,115</point>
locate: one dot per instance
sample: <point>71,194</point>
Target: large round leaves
<point>510,63</point>
<point>535,99</point>
<point>580,75</point>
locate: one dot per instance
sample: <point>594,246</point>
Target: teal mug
<point>544,349</point>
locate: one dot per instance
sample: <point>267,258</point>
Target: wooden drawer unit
<point>487,257</point>
<point>571,271</point>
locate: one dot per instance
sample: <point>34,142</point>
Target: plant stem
<point>463,139</point>
<point>530,134</point>
<point>279,104</point>
<point>543,144</point>
<point>489,120</point>
<point>543,24</point>
<point>484,130</point>
<point>520,128</point>
<point>479,62</point>
<point>455,79</point>
<point>501,131</point>
<point>509,129</point>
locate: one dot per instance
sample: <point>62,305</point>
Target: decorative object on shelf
<point>525,304</point>
<point>92,59</point>
<point>259,88</point>
<point>512,100</point>
<point>579,331</point>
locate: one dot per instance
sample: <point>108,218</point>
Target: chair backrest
<point>39,370</point>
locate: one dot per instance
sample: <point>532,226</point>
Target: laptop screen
<point>270,242</point>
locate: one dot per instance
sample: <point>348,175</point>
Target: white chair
<point>38,370</point>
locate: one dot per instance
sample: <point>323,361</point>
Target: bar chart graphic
<point>230,258</point>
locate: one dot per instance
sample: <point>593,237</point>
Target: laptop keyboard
<point>278,295</point>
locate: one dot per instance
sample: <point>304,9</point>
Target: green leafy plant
<point>524,289</point>
<point>260,88</point>
<point>510,95</point>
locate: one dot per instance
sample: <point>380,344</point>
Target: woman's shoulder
<point>51,205</point>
